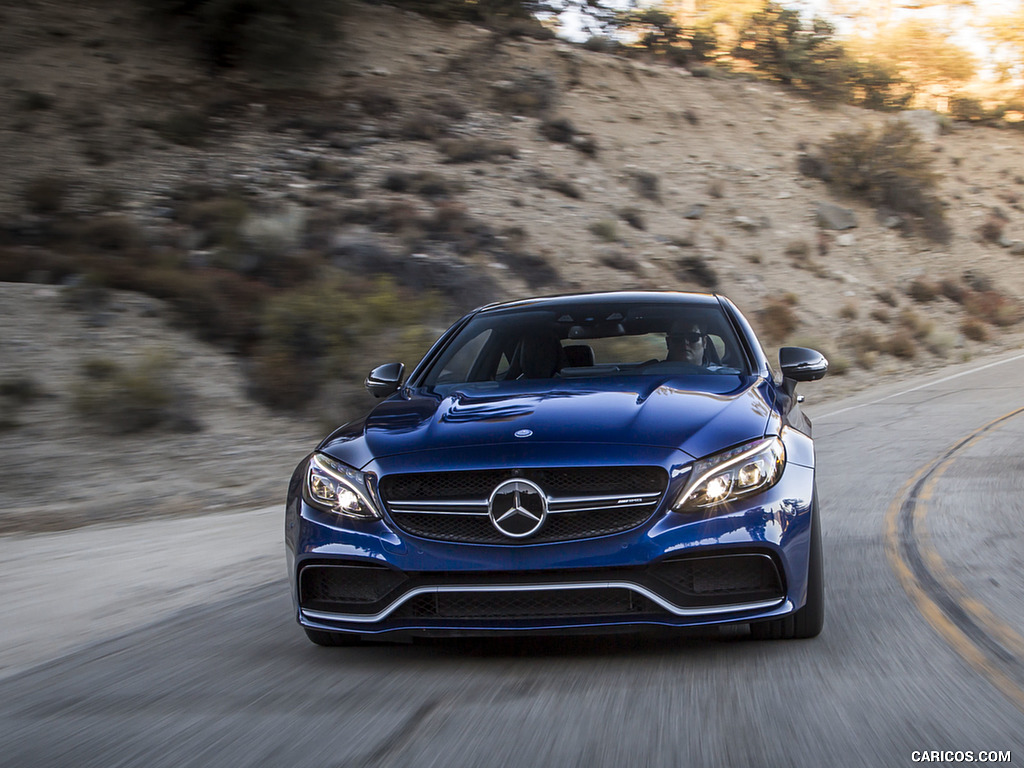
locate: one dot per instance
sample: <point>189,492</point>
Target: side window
<point>459,366</point>
<point>719,345</point>
<point>503,367</point>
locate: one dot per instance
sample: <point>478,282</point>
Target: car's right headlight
<point>332,486</point>
<point>733,475</point>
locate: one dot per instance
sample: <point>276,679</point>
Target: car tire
<point>808,621</point>
<point>330,639</point>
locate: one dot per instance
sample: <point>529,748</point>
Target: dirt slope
<point>706,166</point>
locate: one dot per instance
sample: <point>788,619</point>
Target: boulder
<point>831,216</point>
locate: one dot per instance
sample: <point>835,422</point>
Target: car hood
<point>698,415</point>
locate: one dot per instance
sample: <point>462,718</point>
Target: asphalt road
<point>921,493</point>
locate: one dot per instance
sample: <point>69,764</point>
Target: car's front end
<point>518,506</point>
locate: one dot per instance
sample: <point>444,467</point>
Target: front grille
<point>583,502</point>
<point>526,605</point>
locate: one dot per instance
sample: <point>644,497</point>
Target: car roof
<point>633,297</point>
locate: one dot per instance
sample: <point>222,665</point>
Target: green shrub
<point>605,229</point>
<point>122,400</point>
<point>332,330</point>
<point>890,168</point>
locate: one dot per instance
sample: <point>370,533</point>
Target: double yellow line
<point>982,639</point>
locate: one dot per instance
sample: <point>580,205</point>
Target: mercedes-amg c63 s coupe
<point>598,462</point>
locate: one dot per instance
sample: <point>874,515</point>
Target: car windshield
<point>588,340</point>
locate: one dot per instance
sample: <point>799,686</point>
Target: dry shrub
<point>991,230</point>
<point>475,150</point>
<point>887,297</point>
<point>798,250</point>
<point>376,101</point>
<point>559,129</point>
<point>993,307</point>
<point>425,183</point>
<point>890,168</point>
<point>185,127</point>
<point>901,344</point>
<point>424,125</point>
<point>777,320</point>
<point>866,345</point>
<point>634,217</point>
<point>565,187</point>
<point>953,289</point>
<point>849,311</point>
<point>218,219</point>
<point>919,327</point>
<point>699,271</point>
<point>216,304</point>
<point>110,233</point>
<point>531,93</point>
<point>46,194</point>
<point>974,329</point>
<point>647,185</point>
<point>922,291</point>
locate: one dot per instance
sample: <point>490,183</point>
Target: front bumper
<point>366,577</point>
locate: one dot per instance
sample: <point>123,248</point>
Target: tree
<point>924,57</point>
<point>1006,32</point>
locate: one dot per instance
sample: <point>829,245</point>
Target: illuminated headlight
<point>332,486</point>
<point>733,475</point>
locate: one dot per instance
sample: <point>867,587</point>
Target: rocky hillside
<point>473,166</point>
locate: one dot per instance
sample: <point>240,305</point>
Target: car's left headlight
<point>332,486</point>
<point>733,475</point>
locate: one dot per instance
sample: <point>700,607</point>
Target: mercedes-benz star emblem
<point>518,508</point>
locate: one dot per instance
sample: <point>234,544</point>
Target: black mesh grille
<point>477,486</point>
<point>742,577</point>
<point>525,605</point>
<point>345,587</point>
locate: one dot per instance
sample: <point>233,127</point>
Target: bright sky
<point>964,19</point>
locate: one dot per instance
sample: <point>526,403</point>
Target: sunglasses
<point>691,337</point>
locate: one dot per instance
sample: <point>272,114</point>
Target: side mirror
<point>385,379</point>
<point>802,364</point>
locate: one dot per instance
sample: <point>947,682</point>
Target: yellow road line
<point>961,643</point>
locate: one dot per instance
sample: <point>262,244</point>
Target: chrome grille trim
<point>555,504</point>
<point>704,610</point>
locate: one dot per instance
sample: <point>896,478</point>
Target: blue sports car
<point>597,462</point>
